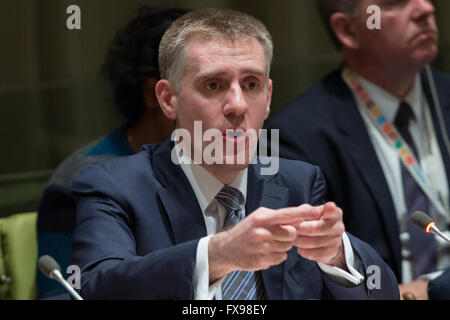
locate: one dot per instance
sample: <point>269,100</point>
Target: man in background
<point>379,133</point>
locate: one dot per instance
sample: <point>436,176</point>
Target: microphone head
<point>422,220</point>
<point>47,264</point>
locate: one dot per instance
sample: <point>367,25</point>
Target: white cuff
<point>431,276</point>
<point>202,289</point>
<point>343,277</point>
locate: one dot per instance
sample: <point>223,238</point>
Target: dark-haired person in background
<point>131,66</point>
<point>355,123</point>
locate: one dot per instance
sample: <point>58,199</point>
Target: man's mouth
<point>235,133</point>
<point>426,34</point>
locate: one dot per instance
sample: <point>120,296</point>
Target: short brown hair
<point>210,22</point>
<point>328,7</point>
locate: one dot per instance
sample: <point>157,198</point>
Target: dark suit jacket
<point>139,223</point>
<point>324,127</point>
<point>439,288</point>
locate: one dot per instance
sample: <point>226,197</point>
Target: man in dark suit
<point>131,66</point>
<point>341,124</point>
<point>157,225</point>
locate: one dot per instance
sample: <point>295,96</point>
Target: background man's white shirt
<point>424,136</point>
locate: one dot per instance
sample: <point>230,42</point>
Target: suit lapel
<point>359,146</point>
<point>444,101</point>
<point>261,193</point>
<point>177,197</point>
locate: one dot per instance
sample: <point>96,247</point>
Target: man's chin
<point>426,49</point>
<point>421,55</point>
<point>235,164</point>
<point>426,55</point>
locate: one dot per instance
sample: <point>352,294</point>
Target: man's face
<point>408,34</point>
<point>225,85</point>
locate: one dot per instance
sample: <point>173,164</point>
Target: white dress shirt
<point>424,136</point>
<point>206,187</point>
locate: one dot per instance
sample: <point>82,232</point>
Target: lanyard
<point>391,134</point>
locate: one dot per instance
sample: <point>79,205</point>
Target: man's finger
<point>283,232</point>
<point>331,211</point>
<point>307,242</point>
<point>319,228</point>
<point>292,215</point>
<point>278,246</point>
<point>323,255</point>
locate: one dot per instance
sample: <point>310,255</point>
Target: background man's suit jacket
<point>324,127</point>
<point>139,223</point>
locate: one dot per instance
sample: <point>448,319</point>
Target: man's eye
<point>252,85</point>
<point>212,86</point>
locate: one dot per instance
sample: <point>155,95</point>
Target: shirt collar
<point>389,104</point>
<point>415,97</point>
<point>204,184</point>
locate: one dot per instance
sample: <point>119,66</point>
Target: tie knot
<point>404,115</point>
<point>231,198</point>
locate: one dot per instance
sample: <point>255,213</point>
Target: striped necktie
<point>238,285</point>
<point>423,245</point>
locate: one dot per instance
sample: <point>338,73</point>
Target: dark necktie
<point>423,245</point>
<point>238,285</point>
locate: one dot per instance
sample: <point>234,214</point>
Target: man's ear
<point>269,97</point>
<point>166,98</point>
<point>346,30</point>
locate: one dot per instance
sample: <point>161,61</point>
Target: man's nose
<point>423,9</point>
<point>236,102</point>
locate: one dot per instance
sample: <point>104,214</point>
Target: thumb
<point>328,210</point>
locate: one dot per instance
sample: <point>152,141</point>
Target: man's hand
<point>259,241</point>
<point>415,290</point>
<point>321,239</point>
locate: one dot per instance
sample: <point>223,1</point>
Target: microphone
<point>51,269</point>
<point>426,223</point>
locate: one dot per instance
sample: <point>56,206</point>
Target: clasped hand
<point>264,237</point>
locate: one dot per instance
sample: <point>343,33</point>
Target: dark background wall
<point>52,100</point>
